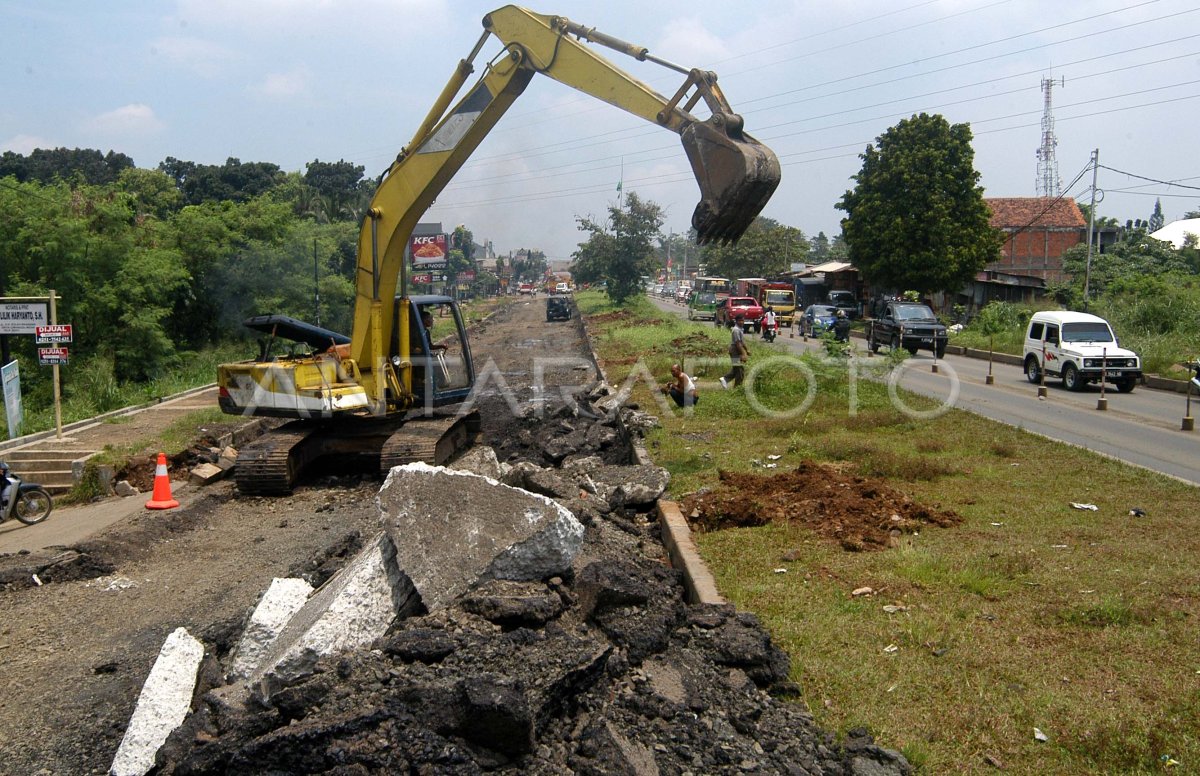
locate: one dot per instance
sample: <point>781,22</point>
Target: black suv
<point>558,308</point>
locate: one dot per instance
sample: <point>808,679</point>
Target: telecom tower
<point>1048,183</point>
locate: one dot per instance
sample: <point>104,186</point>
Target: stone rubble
<point>591,664</point>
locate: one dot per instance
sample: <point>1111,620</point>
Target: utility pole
<point>316,285</point>
<point>1087,275</point>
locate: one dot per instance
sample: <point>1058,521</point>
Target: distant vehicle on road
<point>907,325</point>
<point>527,288</point>
<point>844,300</point>
<point>702,306</point>
<point>562,288</point>
<point>558,308</point>
<point>1080,348</point>
<point>743,308</point>
<point>817,319</point>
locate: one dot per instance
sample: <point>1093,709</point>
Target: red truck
<point>743,308</point>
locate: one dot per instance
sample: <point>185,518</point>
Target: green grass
<point>1029,614</point>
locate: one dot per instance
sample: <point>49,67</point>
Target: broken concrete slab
<point>124,489</point>
<point>163,704</point>
<point>353,608</point>
<point>282,599</point>
<point>480,460</point>
<point>453,530</point>
<point>206,473</point>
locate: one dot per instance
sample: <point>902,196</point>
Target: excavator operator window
<point>436,348</point>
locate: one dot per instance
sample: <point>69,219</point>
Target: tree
<point>620,252</point>
<point>340,189</point>
<point>1136,254</point>
<point>916,218</point>
<point>46,165</point>
<point>766,249</point>
<point>1157,221</point>
<point>819,248</point>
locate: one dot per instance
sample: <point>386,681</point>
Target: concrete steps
<point>52,467</point>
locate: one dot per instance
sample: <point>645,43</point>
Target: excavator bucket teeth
<point>737,176</point>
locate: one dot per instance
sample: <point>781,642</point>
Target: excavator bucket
<point>736,174</point>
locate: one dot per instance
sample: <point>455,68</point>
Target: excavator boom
<point>735,173</point>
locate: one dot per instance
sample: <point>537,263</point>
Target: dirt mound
<point>859,512</point>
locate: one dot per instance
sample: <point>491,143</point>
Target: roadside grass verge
<point>1029,614</point>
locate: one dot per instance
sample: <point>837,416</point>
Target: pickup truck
<point>907,325</point>
<point>743,308</point>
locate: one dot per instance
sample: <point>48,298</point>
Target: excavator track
<point>269,466</point>
<point>434,440</point>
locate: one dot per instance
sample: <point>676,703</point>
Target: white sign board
<point>12,398</point>
<point>22,317</point>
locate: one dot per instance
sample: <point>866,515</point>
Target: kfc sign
<point>428,252</point>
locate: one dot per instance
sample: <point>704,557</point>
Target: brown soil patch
<point>616,315</point>
<point>696,344</point>
<point>859,512</point>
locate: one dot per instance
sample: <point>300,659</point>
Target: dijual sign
<point>21,317</point>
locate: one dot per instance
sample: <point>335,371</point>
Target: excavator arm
<point>736,174</point>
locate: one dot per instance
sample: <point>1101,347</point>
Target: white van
<point>1080,348</point>
<point>562,288</point>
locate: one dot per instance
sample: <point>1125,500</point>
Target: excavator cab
<point>443,372</point>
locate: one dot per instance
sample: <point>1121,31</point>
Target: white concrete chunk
<point>453,530</point>
<point>353,608</point>
<point>283,598</point>
<point>162,706</point>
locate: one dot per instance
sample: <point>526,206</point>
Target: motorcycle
<point>769,333</point>
<point>27,501</point>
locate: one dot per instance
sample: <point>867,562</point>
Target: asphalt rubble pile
<point>602,668</point>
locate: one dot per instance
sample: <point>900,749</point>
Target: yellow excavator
<point>385,392</point>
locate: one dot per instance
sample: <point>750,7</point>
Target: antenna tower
<point>1048,183</point>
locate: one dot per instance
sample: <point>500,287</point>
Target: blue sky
<point>290,81</point>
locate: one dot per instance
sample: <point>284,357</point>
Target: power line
<point>540,172</point>
<point>1152,180</point>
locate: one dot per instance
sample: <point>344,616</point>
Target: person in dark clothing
<point>841,327</point>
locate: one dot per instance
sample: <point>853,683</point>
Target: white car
<point>562,288</point>
<point>1079,348</point>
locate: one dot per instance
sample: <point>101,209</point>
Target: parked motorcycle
<point>27,501</point>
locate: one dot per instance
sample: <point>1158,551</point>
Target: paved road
<point>1141,428</point>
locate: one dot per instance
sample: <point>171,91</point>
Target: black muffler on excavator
<point>737,176</point>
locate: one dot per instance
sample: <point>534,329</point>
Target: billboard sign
<point>428,252</point>
<point>12,398</point>
<point>53,335</point>
<point>52,356</point>
<point>21,317</point>
<point>467,276</point>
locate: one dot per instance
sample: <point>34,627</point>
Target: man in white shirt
<point>682,389</point>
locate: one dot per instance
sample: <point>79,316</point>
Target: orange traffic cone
<point>162,487</point>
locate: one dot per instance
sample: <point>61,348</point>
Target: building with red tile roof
<point>1037,231</point>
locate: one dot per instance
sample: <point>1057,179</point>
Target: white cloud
<point>199,56</point>
<point>283,84</point>
<point>25,144</point>
<point>687,42</point>
<point>132,119</point>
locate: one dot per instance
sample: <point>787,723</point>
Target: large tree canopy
<point>619,252</point>
<point>766,249</point>
<point>917,219</point>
